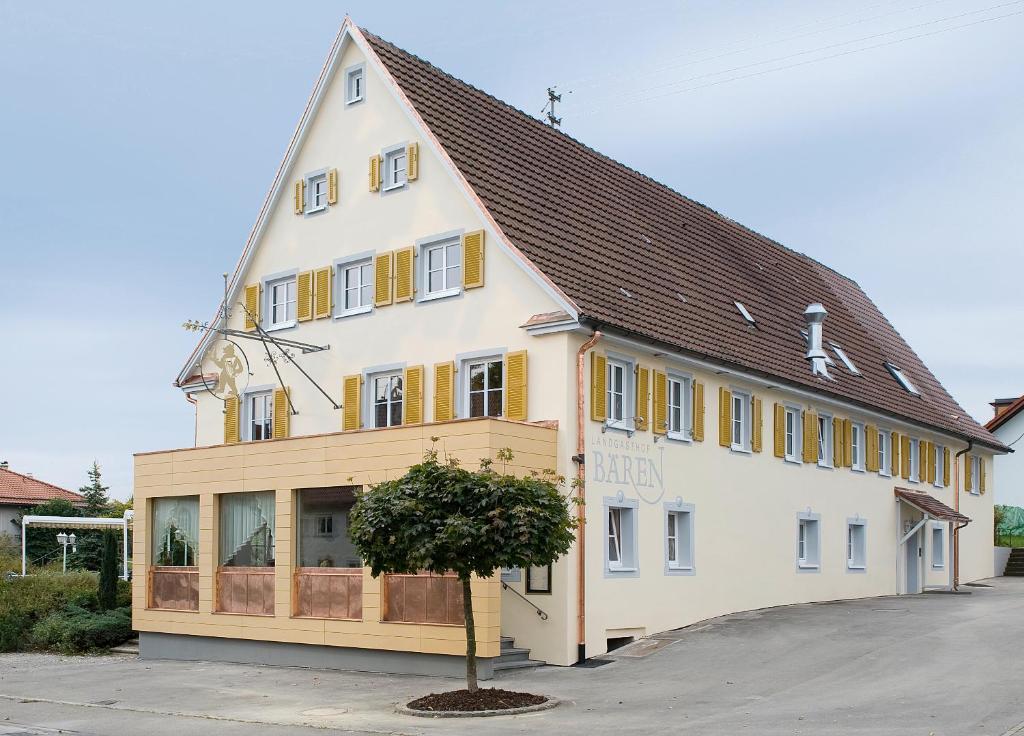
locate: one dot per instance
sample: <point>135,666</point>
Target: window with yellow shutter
<point>516,397</point>
<point>413,395</point>
<point>444,391</point>
<point>354,284</point>
<point>440,267</point>
<point>404,274</point>
<point>473,259</point>
<point>317,192</point>
<point>826,441</point>
<point>678,411</point>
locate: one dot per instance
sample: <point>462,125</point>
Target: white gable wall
<point>1010,468</point>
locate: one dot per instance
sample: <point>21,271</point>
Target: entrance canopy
<point>931,506</point>
<point>78,522</point>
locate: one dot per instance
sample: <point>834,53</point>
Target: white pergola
<point>78,522</point>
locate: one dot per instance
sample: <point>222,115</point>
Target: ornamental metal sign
<point>225,369</point>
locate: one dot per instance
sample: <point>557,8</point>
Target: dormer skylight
<point>745,313</point>
<point>845,358</point>
<point>901,377</point>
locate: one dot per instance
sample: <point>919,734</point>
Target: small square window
<point>395,163</point>
<point>620,536</point>
<point>442,268</point>
<point>354,84</point>
<point>259,408</point>
<point>356,280</point>
<point>808,545</point>
<point>281,302</point>
<point>678,538</point>
<point>387,399</point>
<point>856,545</point>
<point>323,526</point>
<point>938,547</point>
<point>316,192</point>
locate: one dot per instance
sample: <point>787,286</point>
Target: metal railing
<point>543,616</point>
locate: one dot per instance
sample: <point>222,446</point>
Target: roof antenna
<point>549,108</point>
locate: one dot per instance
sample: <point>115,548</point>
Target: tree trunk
<point>467,609</point>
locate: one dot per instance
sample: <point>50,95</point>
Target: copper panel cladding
<point>174,588</point>
<point>424,599</point>
<point>329,593</point>
<point>247,590</point>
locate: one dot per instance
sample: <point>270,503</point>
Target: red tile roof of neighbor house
<point>1005,415</point>
<point>636,256</point>
<point>23,490</point>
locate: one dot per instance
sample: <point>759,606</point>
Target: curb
<point>546,705</point>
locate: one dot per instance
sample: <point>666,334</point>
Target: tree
<point>107,594</point>
<point>440,518</point>
<point>97,502</point>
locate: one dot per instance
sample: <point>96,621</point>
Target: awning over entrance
<point>931,506</point>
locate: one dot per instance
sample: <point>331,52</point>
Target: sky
<point>137,141</point>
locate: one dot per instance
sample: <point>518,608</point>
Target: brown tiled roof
<point>931,505</point>
<point>21,490</point>
<point>593,225</point>
<point>1005,415</point>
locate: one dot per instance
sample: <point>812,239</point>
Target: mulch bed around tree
<point>482,699</point>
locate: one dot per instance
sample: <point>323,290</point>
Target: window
<point>940,457</point>
<point>678,538</point>
<point>901,377</point>
<point>247,529</point>
<point>938,546</point>
<point>857,446</point>
<point>620,536</point>
<point>538,579</point>
<point>316,192</point>
<point>678,395</point>
<point>485,387</point>
<point>808,542</point>
<point>387,399</point>
<point>617,389</point>
<point>260,409</point>
<point>915,461</point>
<point>793,429</point>
<point>442,267</point>
<point>856,545</point>
<point>395,168</point>
<point>356,281</point>
<point>740,432</point>
<point>841,354</point>
<point>323,539</point>
<point>324,526</point>
<point>825,440</point>
<point>354,83</point>
<point>281,302</point>
<point>744,313</point>
<point>884,440</point>
<point>175,531</point>
<point>975,485</point>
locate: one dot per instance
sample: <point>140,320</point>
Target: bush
<point>26,601</point>
<point>75,630</point>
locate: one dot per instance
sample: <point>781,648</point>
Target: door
<point>913,563</point>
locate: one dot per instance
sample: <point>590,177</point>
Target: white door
<point>913,563</point>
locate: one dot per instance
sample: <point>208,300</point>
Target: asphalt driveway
<point>928,664</point>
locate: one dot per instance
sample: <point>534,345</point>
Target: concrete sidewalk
<point>929,664</point>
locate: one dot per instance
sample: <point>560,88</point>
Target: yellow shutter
<point>515,385</point>
<point>871,448</point>
<point>756,435</point>
<point>322,292</point>
<point>252,306</point>
<point>382,279</point>
<point>810,437</point>
<point>332,186</point>
<point>780,430</point>
<point>350,392</point>
<point>598,390</point>
<point>905,457</point>
<point>281,414</point>
<point>412,161</point>
<point>659,410</point>
<point>300,196</point>
<point>968,474</point>
<point>404,279</point>
<point>444,391</point>
<point>412,395</point>
<point>945,466</point>
<point>473,259</point>
<point>698,411</point>
<point>304,296</point>
<point>375,173</point>
<point>641,413</point>
<point>231,420</point>
<point>981,473</point>
<point>894,454</point>
<point>724,416</point>
<point>930,462</point>
<point>848,443</point>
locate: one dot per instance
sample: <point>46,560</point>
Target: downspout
<point>195,406</point>
<point>956,507</point>
<point>581,515</point>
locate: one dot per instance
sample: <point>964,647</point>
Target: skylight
<point>744,312</point>
<point>900,376</point>
<point>845,358</point>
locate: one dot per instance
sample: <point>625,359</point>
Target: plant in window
<point>442,518</point>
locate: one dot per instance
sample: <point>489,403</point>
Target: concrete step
<point>513,654</point>
<point>500,666</point>
<point>130,647</point>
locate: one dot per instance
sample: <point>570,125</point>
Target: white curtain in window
<point>178,516</point>
<point>247,528</point>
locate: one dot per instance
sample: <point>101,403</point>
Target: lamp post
<point>64,540</point>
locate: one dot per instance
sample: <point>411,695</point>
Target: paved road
<point>930,664</point>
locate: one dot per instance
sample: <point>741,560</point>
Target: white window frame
<point>856,562</point>
<point>389,156</point>
<point>680,515</point>
<point>902,379</point>
<point>741,424</point>
<point>341,268</point>
<point>266,393</point>
<point>628,366</point>
<point>313,180</point>
<point>938,550</point>
<point>975,489</point>
<point>424,247</point>
<point>626,511</point>
<point>808,542</point>
<point>352,73</point>
<point>371,391</point>
<point>841,354</point>
<point>826,441</point>
<point>939,454</point>
<point>915,460</point>
<point>270,283</point>
<point>794,454</point>
<point>684,432</point>
<point>466,367</point>
<point>323,520</point>
<point>857,446</point>
<point>884,452</point>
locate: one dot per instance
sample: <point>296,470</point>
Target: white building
<point>1008,426</point>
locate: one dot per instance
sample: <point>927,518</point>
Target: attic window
<point>745,313</point>
<point>845,358</point>
<point>900,376</point>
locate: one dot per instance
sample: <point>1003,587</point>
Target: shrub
<point>25,601</point>
<point>75,630</point>
<point>107,592</point>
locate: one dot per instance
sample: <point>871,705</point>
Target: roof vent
<point>744,313</point>
<point>815,314</point>
<point>625,293</point>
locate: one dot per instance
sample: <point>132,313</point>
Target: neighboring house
<point>19,493</point>
<point>1008,426</point>
<point>751,430</point>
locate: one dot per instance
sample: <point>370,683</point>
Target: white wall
<point>1010,468</point>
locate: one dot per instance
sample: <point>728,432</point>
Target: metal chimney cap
<point>815,313</point>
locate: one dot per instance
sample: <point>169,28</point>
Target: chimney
<point>4,465</point>
<point>1001,405</point>
<point>815,314</point>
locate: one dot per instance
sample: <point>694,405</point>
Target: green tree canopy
<point>97,502</point>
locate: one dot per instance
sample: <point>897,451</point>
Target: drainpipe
<point>195,406</point>
<point>581,514</point>
<point>956,506</point>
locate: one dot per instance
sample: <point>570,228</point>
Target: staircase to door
<point>513,657</point>
<point>1015,563</point>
